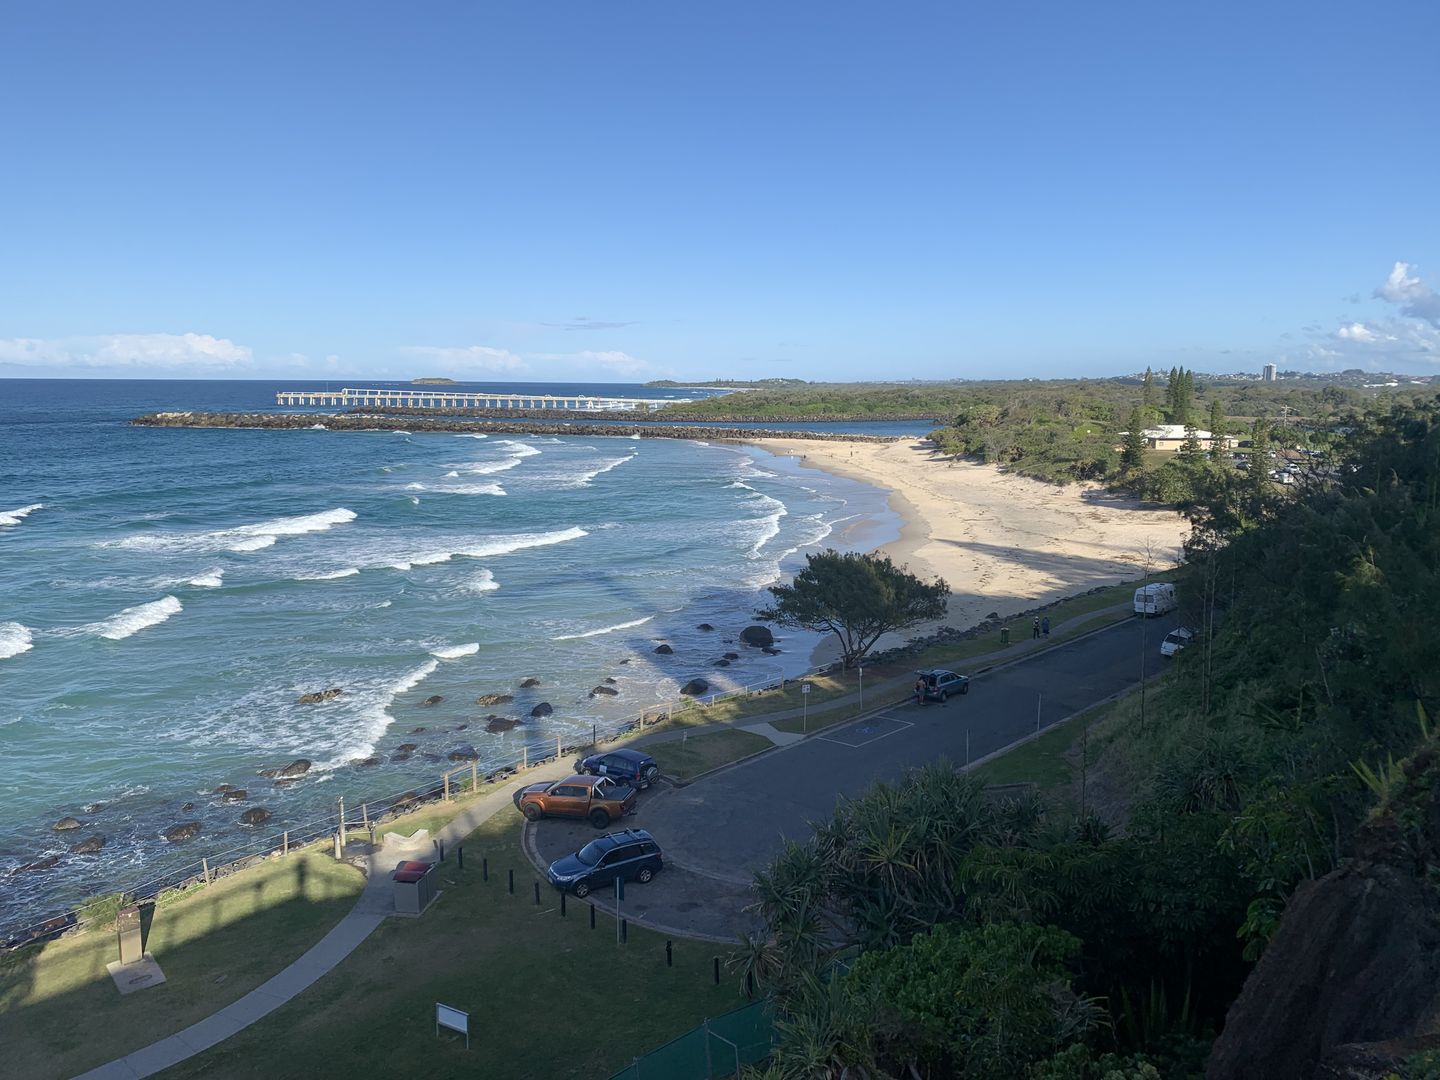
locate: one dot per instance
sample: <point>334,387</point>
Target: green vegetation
<point>858,598</point>
<point>1278,742</point>
<point>689,756</point>
<point>60,1013</point>
<point>521,971</point>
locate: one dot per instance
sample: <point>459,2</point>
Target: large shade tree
<point>858,598</point>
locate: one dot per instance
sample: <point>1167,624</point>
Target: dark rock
<point>298,767</point>
<point>528,683</point>
<point>256,815</point>
<point>366,762</point>
<point>233,795</point>
<point>222,789</point>
<point>400,757</point>
<point>91,845</point>
<point>732,656</point>
<point>758,636</point>
<point>286,781</point>
<point>188,806</point>
<point>269,773</point>
<point>770,650</point>
<point>186,830</point>
<point>407,747</point>
<point>722,663</point>
<point>40,864</point>
<point>461,727</point>
<point>433,699</point>
<point>543,709</point>
<point>427,756</point>
<point>608,679</point>
<point>994,615</point>
<point>664,650</point>
<point>494,699</point>
<point>627,660</point>
<point>497,724</point>
<point>93,808</point>
<point>405,799</point>
<point>607,691</point>
<point>65,824</point>
<point>464,753</point>
<point>320,695</point>
<point>704,626</point>
<point>416,730</point>
<point>695,687</point>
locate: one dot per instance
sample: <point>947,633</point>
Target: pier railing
<point>368,813</point>
<point>447,398</point>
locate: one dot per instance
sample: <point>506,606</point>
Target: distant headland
<point>433,381</point>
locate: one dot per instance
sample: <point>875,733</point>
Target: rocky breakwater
<point>377,422</point>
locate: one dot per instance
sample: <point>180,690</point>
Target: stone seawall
<point>372,422</point>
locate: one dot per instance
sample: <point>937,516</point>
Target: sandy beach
<point>1003,543</point>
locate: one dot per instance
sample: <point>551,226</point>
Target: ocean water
<point>166,596</point>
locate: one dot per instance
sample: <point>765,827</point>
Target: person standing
<point>1035,631</point>
<point>1045,625</point>
<point>920,690</point>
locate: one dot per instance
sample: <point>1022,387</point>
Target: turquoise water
<point>167,595</point>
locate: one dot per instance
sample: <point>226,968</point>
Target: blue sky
<point>640,190</point>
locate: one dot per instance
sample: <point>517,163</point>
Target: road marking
<point>871,730</point>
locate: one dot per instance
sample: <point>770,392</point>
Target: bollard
<point>205,865</point>
<point>562,903</point>
<point>460,857</point>
<point>624,931</point>
<point>592,916</point>
<point>524,757</point>
<point>750,984</point>
<point>537,892</point>
<point>365,814</point>
<point>512,882</point>
<point>285,842</point>
<point>558,751</point>
<point>447,787</point>
<point>474,777</point>
<point>442,850</point>
<point>669,954</point>
<point>1004,635</point>
<point>717,971</point>
<point>484,868</point>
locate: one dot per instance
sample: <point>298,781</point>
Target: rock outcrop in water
<point>319,695</point>
<point>65,824</point>
<point>664,650</point>
<point>494,699</point>
<point>256,815</point>
<point>543,709</point>
<point>528,683</point>
<point>426,421</point>
<point>433,699</point>
<point>758,636</point>
<point>234,795</point>
<point>607,691</point>
<point>39,864</point>
<point>91,845</point>
<point>695,687</point>
<point>497,725</point>
<point>186,830</point>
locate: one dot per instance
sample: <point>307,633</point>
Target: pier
<point>446,398</point>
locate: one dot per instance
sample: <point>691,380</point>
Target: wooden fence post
<point>474,777</point>
<point>365,815</point>
<point>557,747</point>
<point>285,842</point>
<point>447,786</point>
<point>342,822</point>
<point>525,757</point>
<point>205,866</point>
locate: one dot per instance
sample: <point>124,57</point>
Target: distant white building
<point>1269,373</point>
<point>1170,436</point>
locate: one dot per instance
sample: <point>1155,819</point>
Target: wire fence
<point>721,1046</point>
<point>364,813</point>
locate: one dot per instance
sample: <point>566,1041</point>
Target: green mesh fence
<point>715,1049</point>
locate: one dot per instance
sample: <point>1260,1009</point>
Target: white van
<point>1155,599</point>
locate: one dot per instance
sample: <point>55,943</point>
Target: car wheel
<point>581,890</point>
<point>645,875</point>
<point>944,696</point>
<point>649,776</point>
<point>531,812</point>
<point>599,818</point>
<point>965,689</point>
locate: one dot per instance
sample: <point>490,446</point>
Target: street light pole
<point>862,688</point>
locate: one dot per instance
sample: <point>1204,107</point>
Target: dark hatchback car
<point>627,766</point>
<point>632,855</point>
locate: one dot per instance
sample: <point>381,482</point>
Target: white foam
<point>333,575</point>
<point>14,639</point>
<point>133,620</point>
<point>377,718</point>
<point>451,475</point>
<point>495,545</point>
<point>520,449</point>
<point>14,517</point>
<point>416,486</point>
<point>454,652</point>
<point>485,468</point>
<point>472,436</point>
<point>490,488</point>
<point>633,435</point>
<point>243,538</point>
<point>482,582</point>
<point>399,432</point>
<point>318,427</point>
<point>604,629</point>
<point>210,579</point>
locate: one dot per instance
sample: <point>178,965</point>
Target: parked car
<point>597,799</point>
<point>632,855</point>
<point>629,766</point>
<point>939,684</point>
<point>1176,640</point>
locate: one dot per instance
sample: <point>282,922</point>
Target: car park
<point>628,766</point>
<point>596,799</point>
<point>939,684</point>
<point>1176,640</point>
<point>631,855</point>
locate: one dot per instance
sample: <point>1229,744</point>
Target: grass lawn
<point>1041,761</point>
<point>548,997</point>
<point>683,760</point>
<point>60,1013</point>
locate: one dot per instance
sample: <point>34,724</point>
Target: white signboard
<point>454,1019</point>
<point>804,688</point>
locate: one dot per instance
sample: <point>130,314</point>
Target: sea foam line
<point>15,639</point>
<point>133,620</point>
<point>604,629</point>
<point>14,517</point>
<point>496,545</point>
<point>454,652</point>
<point>244,537</point>
<point>377,718</point>
<point>210,579</point>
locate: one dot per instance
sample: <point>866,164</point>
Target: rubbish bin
<point>1004,635</point>
<point>414,887</point>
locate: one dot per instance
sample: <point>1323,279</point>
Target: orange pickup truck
<point>597,799</point>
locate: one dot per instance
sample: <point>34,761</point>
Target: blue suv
<point>627,766</point>
<point>632,855</point>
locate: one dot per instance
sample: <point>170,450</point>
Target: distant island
<point>433,382</point>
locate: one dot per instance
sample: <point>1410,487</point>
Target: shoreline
<point>1003,543</point>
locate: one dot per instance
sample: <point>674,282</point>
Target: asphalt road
<point>718,830</point>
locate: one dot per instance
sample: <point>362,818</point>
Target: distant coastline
<point>435,380</point>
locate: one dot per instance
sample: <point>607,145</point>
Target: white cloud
<point>175,352</point>
<point>1357,332</point>
<point>1414,297</point>
<point>461,359</point>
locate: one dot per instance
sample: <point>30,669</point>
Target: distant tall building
<point>1269,374</point>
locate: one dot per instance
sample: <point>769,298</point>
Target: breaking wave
<point>242,538</point>
<point>14,517</point>
<point>604,629</point>
<point>133,620</point>
<point>454,652</point>
<point>14,639</point>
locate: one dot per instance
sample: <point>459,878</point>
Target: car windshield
<point>591,852</point>
<point>1175,638</point>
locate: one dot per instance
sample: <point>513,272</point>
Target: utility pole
<point>861,670</point>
